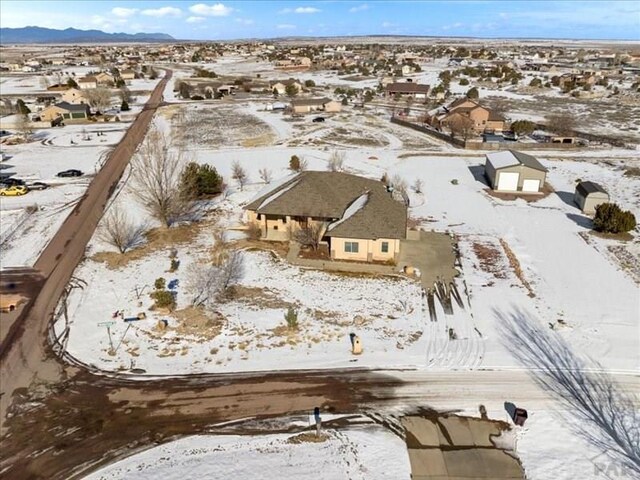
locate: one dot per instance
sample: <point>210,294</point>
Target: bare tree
<point>309,236</point>
<point>599,410</point>
<point>156,173</point>
<point>118,230</point>
<point>398,183</point>
<point>230,270</point>
<point>23,125</point>
<point>462,127</point>
<point>561,124</point>
<point>98,98</point>
<point>239,174</point>
<point>417,185</point>
<point>336,161</point>
<point>208,283</point>
<point>44,82</point>
<point>202,282</point>
<point>265,175</point>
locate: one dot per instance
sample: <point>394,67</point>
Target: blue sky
<point>265,19</point>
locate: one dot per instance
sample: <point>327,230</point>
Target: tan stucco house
<point>127,75</point>
<point>511,171</point>
<point>589,195</point>
<point>65,111</point>
<point>280,87</point>
<point>483,118</point>
<point>359,218</point>
<point>308,105</point>
<point>74,96</point>
<point>87,82</point>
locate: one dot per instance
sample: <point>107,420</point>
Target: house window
<point>351,247</point>
<point>284,220</point>
<point>259,216</point>
<point>384,248</point>
<point>275,227</point>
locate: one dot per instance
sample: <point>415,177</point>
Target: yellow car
<point>14,191</point>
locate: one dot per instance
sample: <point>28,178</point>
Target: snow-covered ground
<point>544,236</point>
<point>359,453</point>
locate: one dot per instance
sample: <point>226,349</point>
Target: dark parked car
<point>70,173</point>
<point>38,186</point>
<point>11,182</point>
<point>318,120</point>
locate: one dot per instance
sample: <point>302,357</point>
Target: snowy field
<point>358,453</point>
<point>548,238</point>
<point>40,161</point>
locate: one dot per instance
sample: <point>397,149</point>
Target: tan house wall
<point>74,96</point>
<point>368,250</point>
<point>333,107</point>
<point>277,227</point>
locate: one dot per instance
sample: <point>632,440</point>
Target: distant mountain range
<point>72,35</point>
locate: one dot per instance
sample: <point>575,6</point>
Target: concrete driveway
<point>432,253</point>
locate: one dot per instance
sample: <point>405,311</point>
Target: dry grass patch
<point>308,437</point>
<point>156,239</point>
<point>199,322</point>
<point>490,259</point>
<point>260,297</point>
<point>260,141</point>
<point>515,265</point>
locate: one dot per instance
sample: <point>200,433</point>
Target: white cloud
<point>300,10</point>
<point>195,19</point>
<point>124,12</point>
<point>359,8</point>
<point>388,25</point>
<point>455,25</point>
<point>245,21</point>
<point>215,10</point>
<point>285,26</point>
<point>162,12</point>
<point>307,10</point>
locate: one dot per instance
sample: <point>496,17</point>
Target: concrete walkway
<point>336,265</point>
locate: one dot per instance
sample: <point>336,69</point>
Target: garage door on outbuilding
<point>512,171</point>
<point>589,195</point>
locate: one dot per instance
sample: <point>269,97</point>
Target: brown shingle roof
<point>303,102</point>
<point>328,194</point>
<point>407,87</point>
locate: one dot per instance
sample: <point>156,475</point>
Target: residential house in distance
<point>105,79</point>
<point>511,171</point>
<point>87,82</point>
<point>358,218</point>
<point>465,109</point>
<point>127,75</point>
<point>589,195</point>
<point>64,111</point>
<point>416,91</point>
<point>74,96</point>
<point>308,105</point>
<point>281,86</point>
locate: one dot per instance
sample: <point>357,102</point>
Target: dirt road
<point>24,348</point>
<point>61,420</point>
